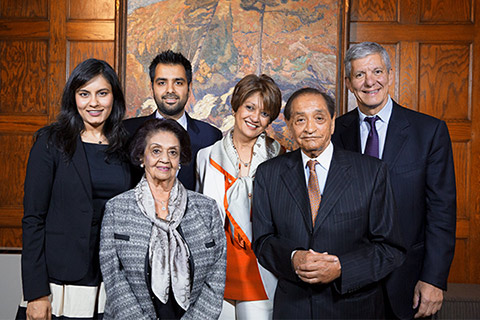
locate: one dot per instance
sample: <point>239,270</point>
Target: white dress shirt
<point>321,168</point>
<point>182,121</point>
<point>381,125</point>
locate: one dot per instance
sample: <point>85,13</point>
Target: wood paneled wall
<point>435,50</point>
<point>434,46</point>
<point>41,41</point>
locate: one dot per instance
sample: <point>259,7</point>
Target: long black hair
<point>63,133</point>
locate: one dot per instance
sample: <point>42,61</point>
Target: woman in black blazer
<point>76,164</point>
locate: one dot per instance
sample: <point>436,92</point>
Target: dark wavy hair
<point>152,126</point>
<point>63,133</point>
<point>171,58</point>
<point>287,112</point>
<point>265,86</point>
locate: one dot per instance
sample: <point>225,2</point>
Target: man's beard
<point>169,110</point>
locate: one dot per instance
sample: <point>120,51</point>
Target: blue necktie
<point>371,148</point>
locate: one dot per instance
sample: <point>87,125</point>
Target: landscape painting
<point>293,41</point>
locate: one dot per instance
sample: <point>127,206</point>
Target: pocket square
<point>121,236</point>
<point>210,244</point>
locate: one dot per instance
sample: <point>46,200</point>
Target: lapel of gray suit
<point>80,164</point>
<point>397,135</point>
<point>294,180</point>
<point>338,178</point>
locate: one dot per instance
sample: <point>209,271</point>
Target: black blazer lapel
<point>80,164</point>
<point>294,180</point>
<point>191,126</point>
<point>350,136</point>
<point>397,135</point>
<point>338,179</point>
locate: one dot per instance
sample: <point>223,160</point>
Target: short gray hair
<point>363,49</point>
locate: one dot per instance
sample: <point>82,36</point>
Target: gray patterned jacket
<point>124,245</point>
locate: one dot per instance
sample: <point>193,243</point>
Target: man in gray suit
<point>324,221</point>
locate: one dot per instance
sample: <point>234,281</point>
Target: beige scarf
<point>168,252</point>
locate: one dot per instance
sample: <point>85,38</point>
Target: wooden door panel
<point>81,50</point>
<point>23,65</point>
<point>446,11</point>
<point>444,80</point>
<point>41,41</point>
<point>91,9</point>
<point>373,10</point>
<point>23,9</point>
<point>13,156</point>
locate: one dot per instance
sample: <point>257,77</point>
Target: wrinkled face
<point>161,157</point>
<point>311,124</point>
<point>170,90</point>
<point>94,101</point>
<point>250,119</point>
<point>369,81</point>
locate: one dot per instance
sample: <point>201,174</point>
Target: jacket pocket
<point>121,236</point>
<point>210,244</point>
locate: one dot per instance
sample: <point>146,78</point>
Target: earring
<point>179,166</point>
<point>142,165</point>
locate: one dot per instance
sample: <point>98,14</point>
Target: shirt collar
<point>182,121</point>
<point>324,158</point>
<point>383,114</point>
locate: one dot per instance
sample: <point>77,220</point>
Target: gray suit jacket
<point>124,245</point>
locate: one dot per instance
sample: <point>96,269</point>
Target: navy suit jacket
<point>201,135</point>
<point>418,153</point>
<point>356,221</point>
<point>58,210</point>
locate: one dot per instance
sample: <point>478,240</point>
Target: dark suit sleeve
<point>272,251</point>
<point>441,210</point>
<point>383,251</point>
<point>38,187</point>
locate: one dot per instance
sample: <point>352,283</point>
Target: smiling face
<point>161,157</point>
<point>94,102</point>
<point>250,119</point>
<point>170,90</point>
<point>369,81</point>
<point>311,124</point>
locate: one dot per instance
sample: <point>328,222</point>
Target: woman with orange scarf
<point>225,172</point>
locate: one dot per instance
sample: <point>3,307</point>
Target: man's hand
<point>39,309</point>
<point>429,297</point>
<point>315,267</point>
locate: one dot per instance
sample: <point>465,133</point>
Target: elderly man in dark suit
<point>171,76</point>
<point>324,221</point>
<point>418,153</point>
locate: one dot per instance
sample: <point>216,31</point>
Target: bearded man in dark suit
<point>171,76</point>
<point>324,221</point>
<point>418,152</point>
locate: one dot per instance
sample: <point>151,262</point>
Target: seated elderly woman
<point>162,247</point>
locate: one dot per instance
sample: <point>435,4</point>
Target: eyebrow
<point>175,79</point>
<point>86,90</point>
<point>168,147</point>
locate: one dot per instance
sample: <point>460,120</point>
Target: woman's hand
<point>39,309</point>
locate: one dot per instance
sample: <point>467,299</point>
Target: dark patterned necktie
<point>371,148</point>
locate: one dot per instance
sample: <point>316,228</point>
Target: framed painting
<point>296,42</point>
